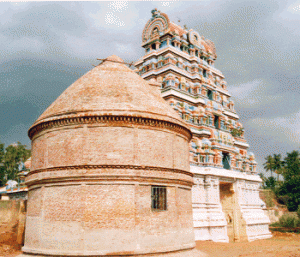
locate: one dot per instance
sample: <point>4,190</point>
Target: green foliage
<point>277,164</point>
<point>283,199</point>
<point>269,198</point>
<point>290,187</point>
<point>292,165</point>
<point>288,190</point>
<point>289,221</point>
<point>10,159</point>
<point>2,168</point>
<point>270,183</point>
<point>269,164</point>
<point>236,132</point>
<point>298,212</point>
<point>292,204</point>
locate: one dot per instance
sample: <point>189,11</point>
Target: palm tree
<point>277,164</point>
<point>291,164</point>
<point>263,178</point>
<point>269,164</point>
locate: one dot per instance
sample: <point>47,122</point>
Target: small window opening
<point>210,94</point>
<point>204,73</point>
<point>153,46</point>
<point>226,161</point>
<point>216,122</point>
<point>159,198</point>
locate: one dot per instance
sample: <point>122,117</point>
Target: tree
<point>291,165</point>
<point>270,183</point>
<point>262,176</point>
<point>291,184</point>
<point>277,164</point>
<point>10,159</point>
<point>269,164</point>
<point>2,168</point>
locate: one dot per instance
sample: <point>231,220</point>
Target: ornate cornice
<point>109,166</point>
<point>112,120</point>
<point>34,179</point>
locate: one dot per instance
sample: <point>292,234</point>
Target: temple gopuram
<point>225,194</point>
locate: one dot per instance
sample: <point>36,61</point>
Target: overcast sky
<point>46,46</point>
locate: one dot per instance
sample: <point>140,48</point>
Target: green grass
<point>287,221</point>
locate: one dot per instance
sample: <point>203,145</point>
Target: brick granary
<point>226,203</point>
<point>110,171</point>
<point>125,167</point>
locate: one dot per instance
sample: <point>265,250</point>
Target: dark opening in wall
<point>153,46</point>
<point>226,161</point>
<point>210,94</point>
<point>216,122</point>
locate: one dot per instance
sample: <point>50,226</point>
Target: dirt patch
<point>8,241</point>
<point>281,245</point>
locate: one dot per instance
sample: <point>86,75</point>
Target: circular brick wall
<point>97,152</point>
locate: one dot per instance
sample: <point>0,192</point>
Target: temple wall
<point>74,218</point>
<point>97,201</point>
<point>119,145</point>
<point>227,208</point>
<point>251,207</point>
<point>209,220</point>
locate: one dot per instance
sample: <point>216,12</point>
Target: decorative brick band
<point>89,167</point>
<point>30,181</point>
<point>113,120</point>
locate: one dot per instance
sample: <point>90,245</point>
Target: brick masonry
<point>96,151</point>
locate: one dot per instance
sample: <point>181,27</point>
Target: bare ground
<point>8,241</point>
<point>281,245</point>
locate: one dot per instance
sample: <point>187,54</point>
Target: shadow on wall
<point>12,222</point>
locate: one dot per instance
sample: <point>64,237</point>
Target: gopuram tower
<point>110,171</point>
<point>226,203</point>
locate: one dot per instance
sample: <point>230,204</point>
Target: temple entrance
<point>227,202</point>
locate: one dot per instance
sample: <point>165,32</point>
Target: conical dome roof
<point>111,88</point>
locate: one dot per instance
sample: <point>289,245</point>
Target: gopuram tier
<point>225,195</point>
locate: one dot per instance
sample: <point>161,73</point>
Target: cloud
<point>14,134</point>
<point>294,8</point>
<point>254,94</point>
<point>124,48</point>
<point>111,18</point>
<point>284,129</point>
<point>46,46</point>
<point>118,6</point>
<point>273,135</point>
